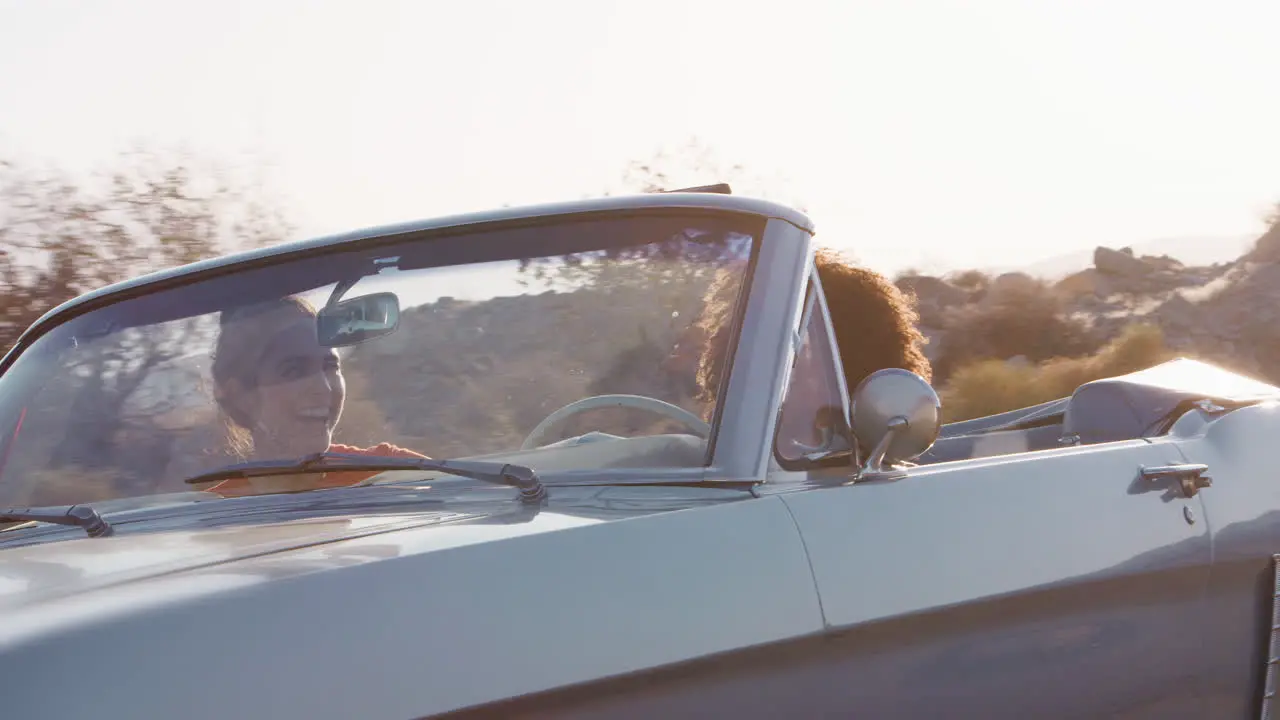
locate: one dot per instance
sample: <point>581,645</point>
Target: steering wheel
<point>639,402</point>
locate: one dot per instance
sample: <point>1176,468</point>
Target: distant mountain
<point>1191,251</point>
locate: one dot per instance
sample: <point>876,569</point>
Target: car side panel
<point>1050,584</point>
<point>1014,657</point>
<point>1244,512</point>
<point>418,624</point>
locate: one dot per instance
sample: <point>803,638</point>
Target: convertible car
<point>451,469</point>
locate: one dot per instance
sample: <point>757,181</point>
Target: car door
<point>1237,450</point>
<point>1048,584</point>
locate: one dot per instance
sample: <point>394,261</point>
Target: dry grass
<point>985,387</point>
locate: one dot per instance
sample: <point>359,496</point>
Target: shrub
<point>970,280</point>
<point>985,387</point>
<point>1019,316</point>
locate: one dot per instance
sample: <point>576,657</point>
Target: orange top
<point>240,487</point>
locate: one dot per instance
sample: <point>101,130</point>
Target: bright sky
<point>939,134</point>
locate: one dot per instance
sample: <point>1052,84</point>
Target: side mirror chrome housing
<point>896,417</point>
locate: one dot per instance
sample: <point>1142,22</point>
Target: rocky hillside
<point>1226,312</point>
<point>467,377</point>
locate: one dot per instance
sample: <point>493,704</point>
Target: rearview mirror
<point>354,321</point>
<point>896,418</point>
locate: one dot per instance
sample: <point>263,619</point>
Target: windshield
<point>497,329</point>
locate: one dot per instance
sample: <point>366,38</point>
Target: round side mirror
<point>896,418</point>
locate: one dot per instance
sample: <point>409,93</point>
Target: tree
<point>688,164</point>
<point>61,236</point>
<point>1017,316</point>
<point>693,163</point>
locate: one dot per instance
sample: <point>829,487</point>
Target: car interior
<point>1141,404</point>
<point>1145,403</point>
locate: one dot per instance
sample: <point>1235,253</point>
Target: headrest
<point>1138,404</point>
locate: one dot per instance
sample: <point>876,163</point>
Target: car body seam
<point>808,558</point>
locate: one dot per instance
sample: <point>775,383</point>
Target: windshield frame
<point>372,237</point>
<point>760,361</point>
<point>777,245</point>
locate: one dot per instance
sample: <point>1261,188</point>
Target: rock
<point>1075,285</point>
<point>1013,281</point>
<point>1178,316</point>
<point>1117,262</point>
<point>1267,248</point>
<point>1163,278</point>
<point>1251,303</point>
<point>1163,262</point>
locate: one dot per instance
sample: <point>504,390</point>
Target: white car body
<point>1032,582</point>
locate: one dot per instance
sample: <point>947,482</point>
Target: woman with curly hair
<point>874,322</point>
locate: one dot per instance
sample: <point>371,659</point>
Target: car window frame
<point>815,298</point>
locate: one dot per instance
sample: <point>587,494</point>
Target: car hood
<point>66,562</point>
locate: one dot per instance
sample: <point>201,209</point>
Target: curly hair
<point>712,330</point>
<point>874,321</point>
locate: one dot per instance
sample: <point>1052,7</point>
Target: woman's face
<point>298,394</point>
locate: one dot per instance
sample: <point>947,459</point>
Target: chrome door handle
<point>1191,476</point>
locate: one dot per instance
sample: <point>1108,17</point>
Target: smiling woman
<point>281,393</point>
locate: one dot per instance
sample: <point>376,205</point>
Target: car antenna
<point>82,516</point>
<point>718,189</point>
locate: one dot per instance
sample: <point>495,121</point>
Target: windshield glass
<point>497,329</point>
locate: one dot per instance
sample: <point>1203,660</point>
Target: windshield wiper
<point>517,476</point>
<point>79,515</point>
